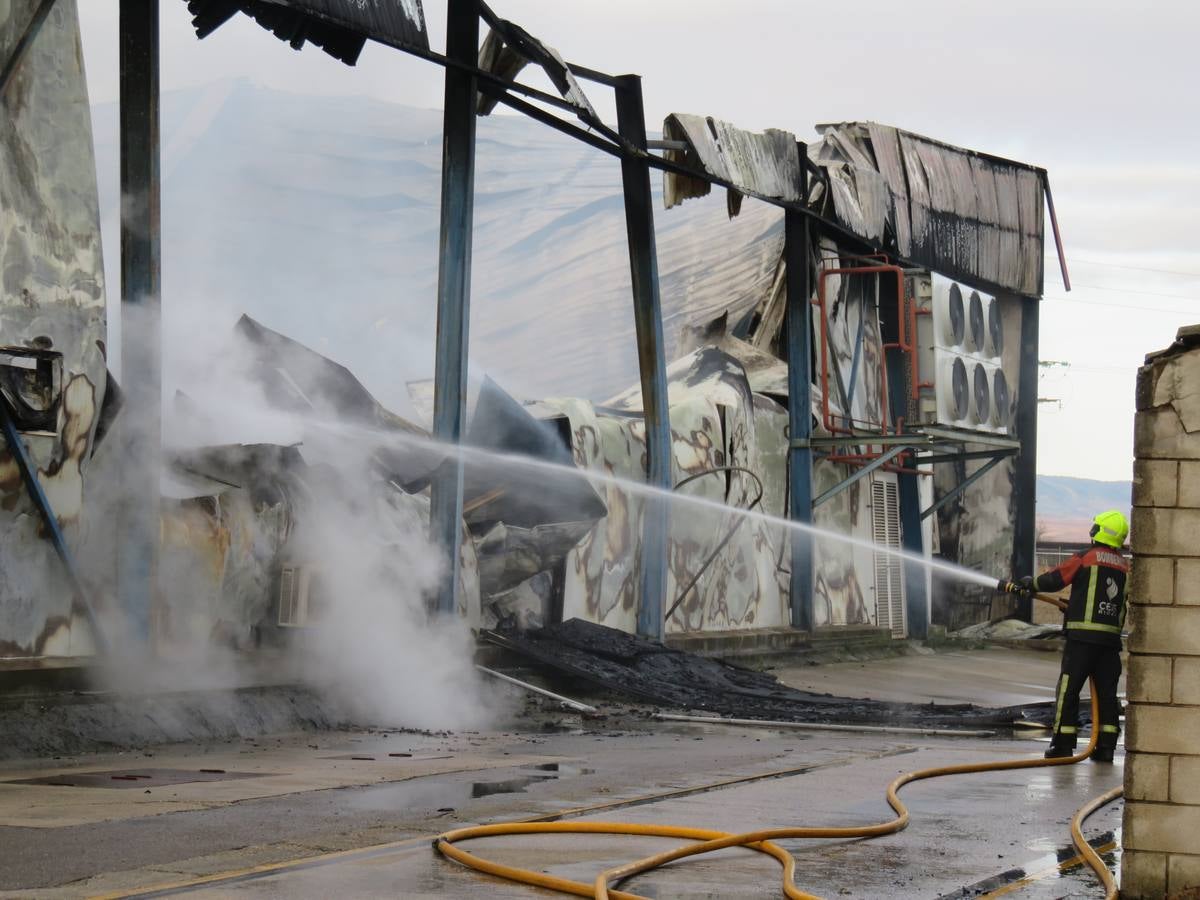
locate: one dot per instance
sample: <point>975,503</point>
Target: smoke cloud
<point>311,502</point>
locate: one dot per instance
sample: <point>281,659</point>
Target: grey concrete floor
<point>312,823</point>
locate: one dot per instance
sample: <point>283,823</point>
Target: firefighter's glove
<point>1024,587</point>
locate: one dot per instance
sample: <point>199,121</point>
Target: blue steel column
<point>454,286</point>
<point>643,266</point>
<point>1025,468</point>
<point>141,296</point>
<point>916,593</point>
<point>799,361</point>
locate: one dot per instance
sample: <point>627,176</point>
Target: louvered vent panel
<point>889,569</point>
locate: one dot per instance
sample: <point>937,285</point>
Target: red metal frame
<point>826,415</point>
<point>907,325</point>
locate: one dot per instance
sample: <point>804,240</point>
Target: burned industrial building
<point>831,443</point>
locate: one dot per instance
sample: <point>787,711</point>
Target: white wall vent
<point>889,568</point>
<point>295,583</point>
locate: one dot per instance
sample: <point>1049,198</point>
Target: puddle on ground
<point>452,792</point>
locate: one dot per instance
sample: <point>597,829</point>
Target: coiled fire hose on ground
<point>707,840</point>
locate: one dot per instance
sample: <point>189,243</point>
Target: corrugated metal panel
<point>402,21</point>
<point>763,163</point>
<point>508,48</point>
<point>339,27</point>
<point>891,166</point>
<point>964,213</point>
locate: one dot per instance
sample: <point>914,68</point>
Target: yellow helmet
<point>1110,528</point>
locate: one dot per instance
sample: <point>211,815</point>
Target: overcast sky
<point>1102,95</point>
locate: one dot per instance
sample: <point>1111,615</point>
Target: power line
<point>1093,262</point>
<point>1159,309</point>
<point>1096,287</point>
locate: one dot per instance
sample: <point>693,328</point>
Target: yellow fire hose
<point>707,840</point>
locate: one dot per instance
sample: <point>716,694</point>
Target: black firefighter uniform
<point>1094,617</point>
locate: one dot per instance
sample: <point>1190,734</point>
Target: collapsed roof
<point>339,27</point>
<point>964,213</point>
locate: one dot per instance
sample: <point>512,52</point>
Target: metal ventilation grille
<point>996,327</point>
<point>293,597</point>
<point>889,569</point>
<point>1002,415</point>
<point>983,394</point>
<point>957,317</point>
<point>975,313</point>
<point>959,391</point>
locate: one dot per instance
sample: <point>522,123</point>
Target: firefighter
<point>1094,616</point>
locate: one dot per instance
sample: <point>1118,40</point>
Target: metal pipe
<point>454,289</point>
<point>823,726</point>
<point>647,314</point>
<point>534,689</point>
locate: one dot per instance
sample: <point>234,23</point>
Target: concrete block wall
<point>1162,768</point>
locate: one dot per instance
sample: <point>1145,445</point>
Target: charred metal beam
<point>882,460</point>
<point>964,456</point>
<point>912,540</point>
<point>1058,244</point>
<point>1025,470</point>
<point>454,287</point>
<point>798,264</point>
<point>647,314</point>
<point>141,298</point>
<point>33,487</point>
<point>25,41</point>
<point>593,75</point>
<point>951,435</point>
<point>961,486</point>
<point>500,94</point>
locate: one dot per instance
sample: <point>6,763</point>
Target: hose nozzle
<point>1024,587</point>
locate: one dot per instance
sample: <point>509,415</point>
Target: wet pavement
<point>352,814</point>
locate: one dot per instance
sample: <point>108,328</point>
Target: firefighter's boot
<point>1059,749</point>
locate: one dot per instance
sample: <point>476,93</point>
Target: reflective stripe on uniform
<point>1091,594</point>
<point>1111,729</point>
<point>1068,729</point>
<point>1062,694</point>
<point>1094,626</point>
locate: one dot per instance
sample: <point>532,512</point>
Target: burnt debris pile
<point>651,672</point>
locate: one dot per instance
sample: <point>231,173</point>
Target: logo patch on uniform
<point>1111,588</point>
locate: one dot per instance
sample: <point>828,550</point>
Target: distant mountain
<point>1065,506</point>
